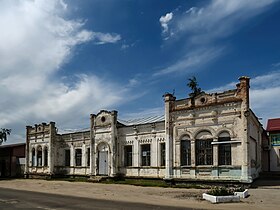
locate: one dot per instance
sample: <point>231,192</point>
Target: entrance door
<point>103,163</point>
<point>2,168</point>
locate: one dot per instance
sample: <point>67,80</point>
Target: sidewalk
<point>265,196</point>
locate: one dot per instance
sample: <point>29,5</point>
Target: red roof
<point>273,124</point>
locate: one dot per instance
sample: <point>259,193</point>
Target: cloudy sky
<point>61,60</point>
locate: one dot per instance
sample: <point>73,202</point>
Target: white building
<point>209,137</point>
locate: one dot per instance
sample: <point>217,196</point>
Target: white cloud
<point>63,4</point>
<point>202,28</point>
<point>265,102</point>
<point>269,80</point>
<point>191,61</point>
<point>35,41</point>
<point>133,82</point>
<point>228,86</point>
<point>126,46</point>
<point>194,10</point>
<point>264,92</point>
<point>103,38</point>
<point>164,20</point>
<point>218,19</point>
<point>276,64</point>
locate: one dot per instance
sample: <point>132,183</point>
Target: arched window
<point>224,149</point>
<point>39,156</point>
<point>46,156</point>
<point>204,148</point>
<point>185,151</point>
<point>33,157</point>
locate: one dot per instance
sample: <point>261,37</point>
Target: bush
<point>220,191</point>
<point>240,189</point>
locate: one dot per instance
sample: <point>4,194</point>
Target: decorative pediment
<point>105,118</point>
<point>203,98</point>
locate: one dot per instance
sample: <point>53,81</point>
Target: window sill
<point>188,166</point>
<point>225,142</point>
<point>80,167</point>
<point>144,167</point>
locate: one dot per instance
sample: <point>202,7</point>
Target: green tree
<point>3,134</point>
<point>193,85</point>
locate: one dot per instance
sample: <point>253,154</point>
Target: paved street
<point>51,195</point>
<point>17,199</point>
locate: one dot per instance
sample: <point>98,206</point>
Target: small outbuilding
<point>12,160</point>
<point>273,128</point>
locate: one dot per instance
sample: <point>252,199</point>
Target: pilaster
<point>43,156</point>
<point>36,154</point>
<point>243,88</point>
<point>193,153</point>
<point>27,152</point>
<point>169,100</point>
<point>114,162</point>
<point>52,155</point>
<point>215,152</point>
<point>84,155</point>
<point>92,146</point>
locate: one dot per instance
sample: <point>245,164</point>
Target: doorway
<point>103,162</point>
<point>103,159</point>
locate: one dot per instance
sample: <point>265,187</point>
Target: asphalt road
<point>27,200</point>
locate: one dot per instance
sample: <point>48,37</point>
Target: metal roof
<point>67,131</point>
<point>130,122</point>
<point>12,145</point>
<point>144,120</point>
<point>273,124</point>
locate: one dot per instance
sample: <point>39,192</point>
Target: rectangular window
<point>128,155</point>
<point>146,155</point>
<point>275,139</point>
<point>67,157</point>
<point>224,154</point>
<point>88,156</point>
<point>162,154</point>
<point>204,152</point>
<point>185,152</point>
<point>224,151</point>
<point>78,157</point>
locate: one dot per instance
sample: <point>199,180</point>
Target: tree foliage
<point>193,85</point>
<point>4,132</point>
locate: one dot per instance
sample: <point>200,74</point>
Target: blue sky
<point>62,60</point>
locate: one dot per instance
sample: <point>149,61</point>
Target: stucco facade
<point>208,137</point>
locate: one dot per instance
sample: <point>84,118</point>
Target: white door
<point>103,163</point>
